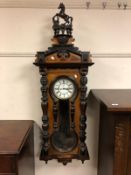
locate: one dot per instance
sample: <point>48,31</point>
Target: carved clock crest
<point>63,70</point>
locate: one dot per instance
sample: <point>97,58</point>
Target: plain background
<point>30,30</point>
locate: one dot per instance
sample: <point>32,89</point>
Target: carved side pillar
<point>83,104</point>
<point>44,105</point>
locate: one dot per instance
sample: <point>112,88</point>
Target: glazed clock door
<point>64,91</point>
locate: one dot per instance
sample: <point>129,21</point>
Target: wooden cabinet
<point>16,147</point>
<point>114,155</point>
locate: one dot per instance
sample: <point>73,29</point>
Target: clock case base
<point>64,160</point>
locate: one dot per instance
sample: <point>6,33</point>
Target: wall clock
<point>63,68</point>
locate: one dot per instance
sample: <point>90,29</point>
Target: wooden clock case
<point>63,60</point>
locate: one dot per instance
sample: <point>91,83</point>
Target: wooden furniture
<point>16,147</point>
<point>114,157</point>
<point>63,70</point>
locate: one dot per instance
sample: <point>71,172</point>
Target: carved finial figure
<point>62,7</point>
<point>62,28</point>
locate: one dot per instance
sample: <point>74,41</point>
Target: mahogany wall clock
<point>63,70</point>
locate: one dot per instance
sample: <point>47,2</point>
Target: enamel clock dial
<point>63,88</point>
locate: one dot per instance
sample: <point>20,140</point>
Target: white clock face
<point>63,88</point>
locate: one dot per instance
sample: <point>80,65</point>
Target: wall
<point>29,30</point>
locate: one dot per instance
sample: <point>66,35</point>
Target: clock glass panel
<point>63,88</point>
